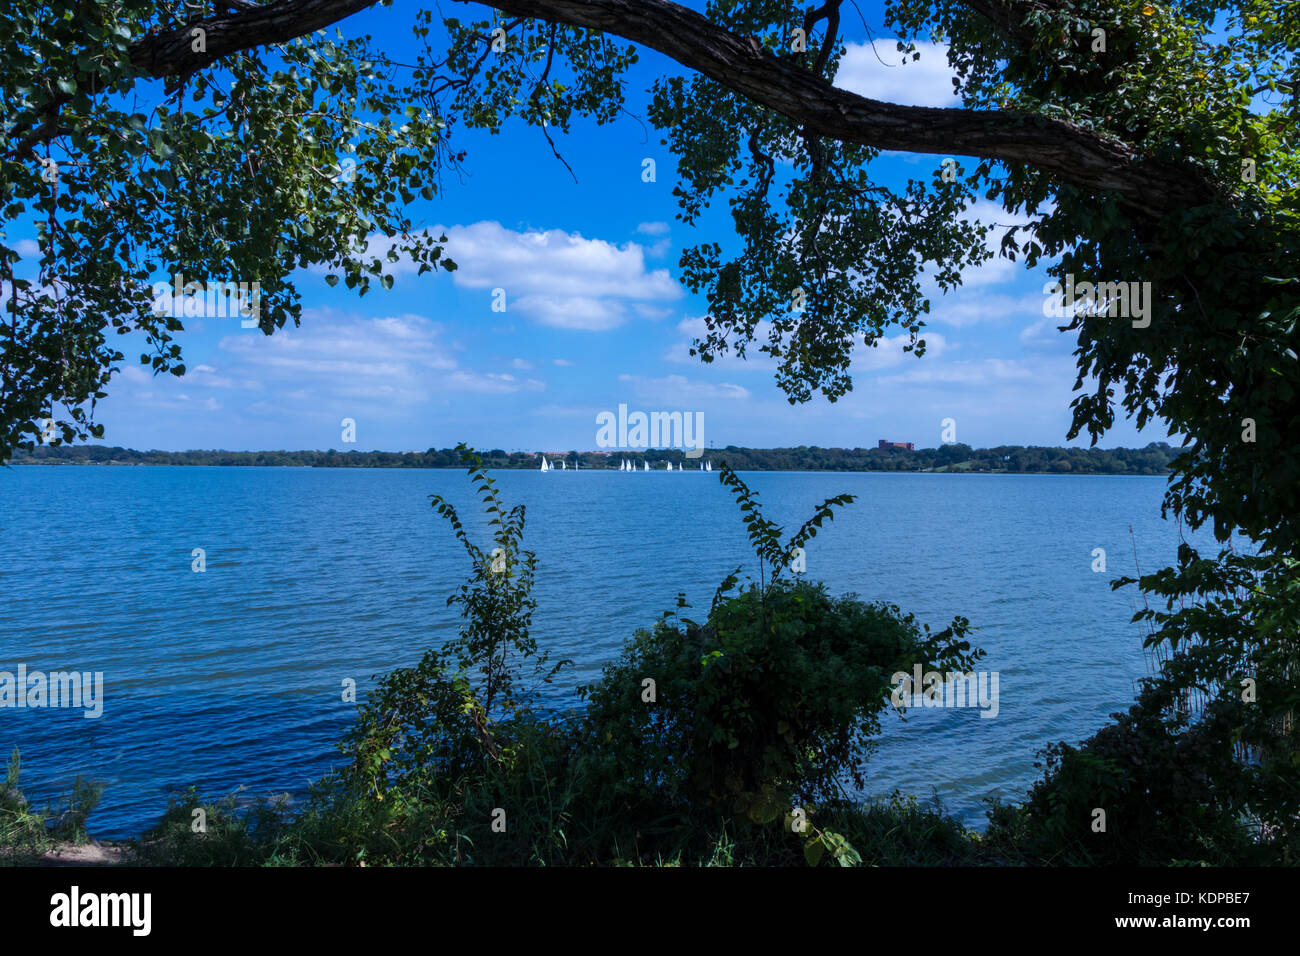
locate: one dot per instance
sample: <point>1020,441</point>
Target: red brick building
<point>906,445</point>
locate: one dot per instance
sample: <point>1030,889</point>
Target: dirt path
<point>87,854</point>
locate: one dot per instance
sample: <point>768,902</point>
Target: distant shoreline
<point>774,471</point>
<point>1153,460</point>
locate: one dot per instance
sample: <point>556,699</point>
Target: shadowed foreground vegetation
<point>27,833</point>
<point>727,740</point>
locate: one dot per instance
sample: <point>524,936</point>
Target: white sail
<point>564,466</point>
<point>545,466</point>
<point>645,465</point>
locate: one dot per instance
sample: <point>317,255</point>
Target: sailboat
<point>670,466</point>
<point>708,466</point>
<point>564,466</point>
<point>701,466</point>
<point>545,466</point>
<point>645,465</point>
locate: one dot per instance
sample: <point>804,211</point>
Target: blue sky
<point>595,317</point>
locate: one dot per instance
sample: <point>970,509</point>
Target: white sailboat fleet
<point>625,465</point>
<point>547,466</point>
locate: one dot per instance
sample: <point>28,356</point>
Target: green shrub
<point>26,834</point>
<point>1162,782</point>
<point>23,834</point>
<point>901,831</point>
<point>195,832</point>
<point>770,703</point>
<point>759,713</point>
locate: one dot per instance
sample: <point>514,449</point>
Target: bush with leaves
<point>1166,785</point>
<point>767,705</point>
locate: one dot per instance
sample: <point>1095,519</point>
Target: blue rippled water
<point>232,677</point>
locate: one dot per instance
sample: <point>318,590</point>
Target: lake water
<point>232,677</point>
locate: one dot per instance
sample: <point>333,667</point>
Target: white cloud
<point>397,360</point>
<point>522,364</point>
<point>1046,333</point>
<point>559,278</point>
<point>563,363</point>
<point>584,413</point>
<point>973,372</point>
<point>961,308</point>
<point>583,313</point>
<point>676,389</point>
<point>651,312</point>
<point>997,270</point>
<point>653,228</point>
<point>463,380</point>
<point>888,352</point>
<point>697,328</point>
<point>924,82</point>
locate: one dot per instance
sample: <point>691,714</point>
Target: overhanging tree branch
<point>1073,154</point>
<point>1070,153</point>
<point>171,52</point>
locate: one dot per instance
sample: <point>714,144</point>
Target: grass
<point>27,834</point>
<point>336,827</point>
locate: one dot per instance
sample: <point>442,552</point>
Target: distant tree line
<point>1154,459</point>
